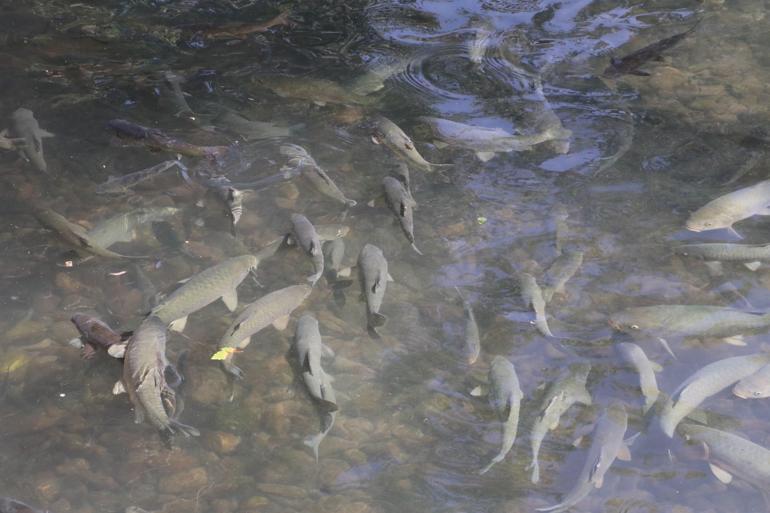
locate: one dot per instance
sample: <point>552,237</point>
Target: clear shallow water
<point>408,436</point>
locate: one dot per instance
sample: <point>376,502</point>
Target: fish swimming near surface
<point>95,334</point>
<point>388,133</point>
<point>243,30</point>
<point>301,160</point>
<point>124,227</point>
<point>750,255</point>
<point>708,381</point>
<point>401,203</point>
<point>26,128</point>
<point>471,340</point>
<point>144,379</point>
<point>730,455</point>
<point>755,386</point>
<point>250,130</point>
<point>315,90</point>
<point>202,289</point>
<point>273,308</point>
<point>228,197</point>
<point>303,234</point>
<point>568,389</point>
<point>532,295</point>
<point>730,208</point>
<point>9,505</point>
<point>73,234</point>
<point>123,184</point>
<point>157,140</point>
<point>309,349</point>
<point>606,446</point>
<point>505,397</point>
<point>560,272</point>
<point>630,64</point>
<point>377,73</point>
<point>374,278</point>
<point>170,91</point>
<point>690,321</point>
<point>635,356</point>
<point>336,273</point>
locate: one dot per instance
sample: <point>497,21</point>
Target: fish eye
<point>757,393</point>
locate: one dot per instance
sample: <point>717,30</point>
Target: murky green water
<point>644,151</point>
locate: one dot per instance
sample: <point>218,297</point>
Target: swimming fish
<point>631,63</point>
<point>26,127</point>
<point>634,355</point>
<point>388,133</point>
<point>300,159</point>
<point>304,235</point>
<point>754,386</point>
<point>471,340</point>
<point>123,227</point>
<point>95,334</point>
<point>532,295</point>
<point>750,255</point>
<point>374,278</point>
<point>730,208</point>
<point>560,272</point>
<point>402,205</point>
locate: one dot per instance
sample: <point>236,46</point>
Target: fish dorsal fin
<point>721,474</point>
<point>624,453</point>
<point>44,133</point>
<point>479,391</point>
<point>230,299</point>
<point>485,156</point>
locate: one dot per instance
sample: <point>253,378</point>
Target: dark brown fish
<point>244,30</point>
<point>95,334</point>
<point>631,63</point>
<point>157,140</point>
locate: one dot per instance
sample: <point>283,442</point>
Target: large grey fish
<point>230,198</point>
<point>735,206</point>
<point>170,92</point>
<point>309,349</point>
<point>755,386</point>
<point>202,289</point>
<point>334,253</point>
<point>123,184</point>
<point>300,159</point>
<point>505,397</point>
<point>569,389</point>
<point>74,235</point>
<point>374,278</point>
<point>248,129</point>
<point>730,455</point>
<point>273,308</point>
<point>373,79</point>
<point>690,321</point>
<point>9,505</point>
<point>472,341</point>
<point>26,127</point>
<point>388,133</point>
<point>634,355</point>
<point>401,203</point>
<point>532,295</point>
<point>607,444</point>
<point>750,255</point>
<point>710,380</point>
<point>144,378</point>
<point>560,272</point>
<point>304,235</point>
<point>631,63</point>
<point>123,227</point>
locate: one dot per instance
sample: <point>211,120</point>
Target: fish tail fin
<point>187,431</point>
<point>314,443</point>
<point>542,326</point>
<point>535,478</point>
<point>416,250</point>
<point>376,320</point>
<point>491,464</point>
<point>583,396</point>
<point>327,406</point>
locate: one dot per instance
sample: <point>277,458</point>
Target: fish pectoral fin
<point>118,388</point>
<point>178,325</point>
<point>44,133</point>
<point>752,266</point>
<point>440,144</point>
<point>306,364</point>
<point>721,474</point>
<point>584,397</point>
<point>230,299</point>
<point>735,340</point>
<point>624,453</point>
<point>344,272</point>
<point>327,351</point>
<point>389,278</point>
<point>485,156</point>
<point>117,350</point>
<point>479,391</point>
<point>656,367</point>
<point>281,323</point>
<point>667,347</point>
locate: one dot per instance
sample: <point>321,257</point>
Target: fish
<point>230,198</point>
<point>561,228</point>
<point>243,30</point>
<point>157,140</point>
<point>248,129</point>
<point>300,159</point>
<point>9,505</point>
<point>304,235</point>
<point>709,380</point>
<point>472,341</point>
<point>144,379</point>
<point>27,128</point>
<point>402,173</point>
<point>690,321</point>
<point>477,46</point>
<point>532,295</point>
<point>388,133</point>
<point>606,446</point>
<point>401,203</point>
<point>486,142</point>
<point>731,455</point>
<point>96,334</point>
<point>73,234</point>
<point>374,78</point>
<point>336,275</point>
<point>731,208</point>
<point>560,272</point>
<point>374,278</point>
<point>123,184</point>
<point>309,349</point>
<point>630,64</point>
<point>315,90</point>
<point>634,355</point>
<point>505,397</point>
<point>750,255</point>
<point>754,386</point>
<point>273,308</point>
<point>568,389</point>
<point>170,91</point>
<point>123,227</point>
<point>202,289</point>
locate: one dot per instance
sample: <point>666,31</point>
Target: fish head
<point>709,218</point>
<point>750,388</point>
<point>626,321</point>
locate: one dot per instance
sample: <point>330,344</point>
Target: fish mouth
<point>693,228</point>
<point>741,394</point>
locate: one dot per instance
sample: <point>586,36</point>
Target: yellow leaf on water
<point>224,353</point>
